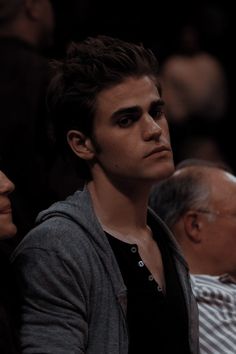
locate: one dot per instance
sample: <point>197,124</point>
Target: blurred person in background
<point>8,301</point>
<point>195,89</point>
<point>26,31</point>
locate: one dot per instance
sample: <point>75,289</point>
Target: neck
<point>122,211</point>
<point>201,265</point>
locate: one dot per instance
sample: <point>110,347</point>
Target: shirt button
<point>140,263</point>
<point>133,249</point>
<point>159,288</point>
<point>150,277</point>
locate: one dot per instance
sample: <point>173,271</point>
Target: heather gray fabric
<point>74,297</point>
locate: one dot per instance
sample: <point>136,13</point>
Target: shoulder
<point>56,236</point>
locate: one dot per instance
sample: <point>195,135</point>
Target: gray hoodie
<point>73,294</point>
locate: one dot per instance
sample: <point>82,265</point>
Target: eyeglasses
<point>216,213</point>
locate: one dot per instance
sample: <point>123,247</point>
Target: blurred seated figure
<point>8,305</point>
<point>198,204</point>
<point>193,86</point>
<point>194,82</point>
<point>26,30</point>
<point>195,90</point>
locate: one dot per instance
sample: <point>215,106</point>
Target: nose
<point>6,186</point>
<point>151,130</point>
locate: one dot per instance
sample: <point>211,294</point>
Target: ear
<point>193,226</point>
<point>81,145</point>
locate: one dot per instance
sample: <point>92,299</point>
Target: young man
<point>100,273</point>
<point>198,204</point>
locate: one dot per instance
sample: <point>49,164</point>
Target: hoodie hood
<point>78,208</point>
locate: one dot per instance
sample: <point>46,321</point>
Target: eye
<point>126,122</point>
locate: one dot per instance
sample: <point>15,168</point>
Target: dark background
<point>158,25</point>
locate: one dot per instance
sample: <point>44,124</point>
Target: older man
<point>199,205</point>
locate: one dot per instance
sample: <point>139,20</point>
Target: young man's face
<point>131,132</point>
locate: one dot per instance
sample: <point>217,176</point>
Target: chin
<point>164,170</point>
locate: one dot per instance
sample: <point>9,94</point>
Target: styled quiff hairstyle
<point>91,66</point>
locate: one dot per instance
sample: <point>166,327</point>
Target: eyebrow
<point>136,109</point>
<point>156,104</point>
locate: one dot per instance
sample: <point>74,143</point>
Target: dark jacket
<point>74,297</point>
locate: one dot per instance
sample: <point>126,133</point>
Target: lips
<point>6,209</point>
<point>158,149</point>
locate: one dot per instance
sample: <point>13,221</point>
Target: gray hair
<point>186,189</point>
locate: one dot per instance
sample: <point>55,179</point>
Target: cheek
<point>232,237</point>
<point>114,147</point>
<point>226,240</point>
<point>118,158</point>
